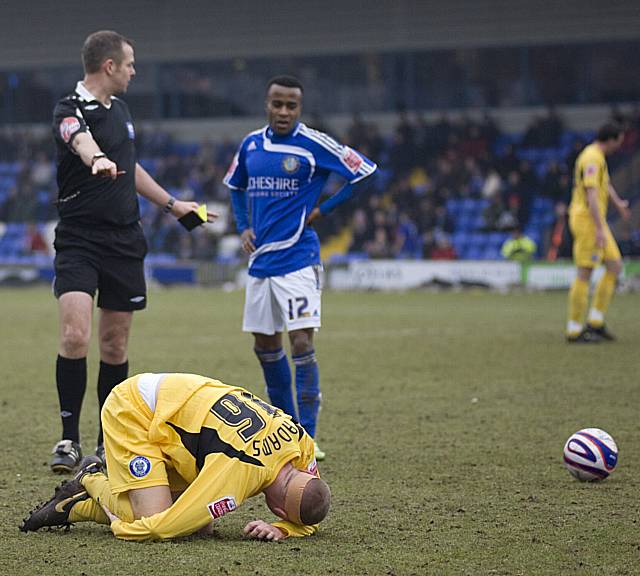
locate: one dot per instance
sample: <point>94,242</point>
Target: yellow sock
<point>88,511</point>
<point>97,485</point>
<point>578,302</point>
<point>602,298</point>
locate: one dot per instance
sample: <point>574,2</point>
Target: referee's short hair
<point>609,131</point>
<point>100,46</point>
<point>286,81</point>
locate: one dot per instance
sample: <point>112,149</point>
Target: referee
<point>99,243</point>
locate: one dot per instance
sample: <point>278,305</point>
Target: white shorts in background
<point>292,300</point>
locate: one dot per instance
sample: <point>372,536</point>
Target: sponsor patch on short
<point>313,468</point>
<point>220,507</point>
<point>68,127</point>
<point>139,466</point>
<point>351,159</point>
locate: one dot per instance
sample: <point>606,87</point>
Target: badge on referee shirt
<point>290,164</point>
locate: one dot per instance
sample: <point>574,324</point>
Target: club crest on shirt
<point>139,466</point>
<point>290,164</point>
<point>68,127</point>
<point>131,131</point>
<point>221,506</point>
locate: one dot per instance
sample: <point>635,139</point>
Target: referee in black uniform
<point>99,243</point>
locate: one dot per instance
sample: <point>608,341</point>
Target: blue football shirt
<point>283,177</point>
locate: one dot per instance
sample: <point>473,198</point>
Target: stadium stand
<point>449,188</point>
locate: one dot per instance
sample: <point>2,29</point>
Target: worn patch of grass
<point>444,418</point>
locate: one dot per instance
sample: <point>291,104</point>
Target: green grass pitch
<point>444,418</point>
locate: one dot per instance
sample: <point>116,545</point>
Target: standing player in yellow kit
<point>593,242</point>
<point>183,450</point>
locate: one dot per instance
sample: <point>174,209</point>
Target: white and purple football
<point>590,454</point>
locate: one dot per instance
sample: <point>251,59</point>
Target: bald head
<point>315,502</point>
<point>298,496</point>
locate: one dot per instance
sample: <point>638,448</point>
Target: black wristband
<point>169,205</point>
<point>97,156</point>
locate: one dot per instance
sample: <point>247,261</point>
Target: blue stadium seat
<point>464,222</point>
<point>478,221</point>
<point>473,253</point>
<point>491,253</point>
<point>468,205</point>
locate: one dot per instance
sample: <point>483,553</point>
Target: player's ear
<point>108,65</point>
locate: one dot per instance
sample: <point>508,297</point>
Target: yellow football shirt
<point>226,444</point>
<point>590,171</point>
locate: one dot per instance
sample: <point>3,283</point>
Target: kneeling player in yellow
<point>593,242</point>
<point>183,450</point>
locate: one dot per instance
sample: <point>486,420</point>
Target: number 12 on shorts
<point>298,307</point>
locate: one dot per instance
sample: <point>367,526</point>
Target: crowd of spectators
<point>402,214</point>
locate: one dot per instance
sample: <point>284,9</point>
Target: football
<point>590,454</point>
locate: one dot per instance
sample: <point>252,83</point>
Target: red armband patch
<point>220,507</point>
<point>68,127</point>
<point>591,170</point>
<point>351,159</point>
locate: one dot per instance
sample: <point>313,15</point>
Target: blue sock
<point>308,390</point>
<point>277,375</point>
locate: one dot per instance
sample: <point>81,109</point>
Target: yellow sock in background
<point>578,302</point>
<point>602,298</point>
<point>97,485</point>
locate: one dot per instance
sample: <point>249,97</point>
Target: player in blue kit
<point>276,179</point>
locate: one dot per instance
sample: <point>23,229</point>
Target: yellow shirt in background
<point>590,171</point>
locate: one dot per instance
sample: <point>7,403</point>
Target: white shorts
<point>292,300</point>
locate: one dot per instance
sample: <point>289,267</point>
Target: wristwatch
<point>97,156</point>
<point>169,206</point>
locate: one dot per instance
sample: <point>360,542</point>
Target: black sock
<point>109,377</point>
<point>71,380</point>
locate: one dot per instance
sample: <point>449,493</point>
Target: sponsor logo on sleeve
<point>313,468</point>
<point>139,466</point>
<point>131,131</point>
<point>220,507</point>
<point>232,168</point>
<point>591,170</point>
<point>68,127</point>
<point>351,159</point>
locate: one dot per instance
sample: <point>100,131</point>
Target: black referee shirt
<point>84,199</point>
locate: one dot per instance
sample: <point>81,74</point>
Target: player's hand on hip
<point>261,530</point>
<point>600,238</point>
<point>315,214</point>
<point>247,238</point>
<point>105,168</point>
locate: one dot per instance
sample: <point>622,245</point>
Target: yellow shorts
<point>585,252</point>
<point>132,461</point>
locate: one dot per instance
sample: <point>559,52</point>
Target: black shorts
<point>110,262</point>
